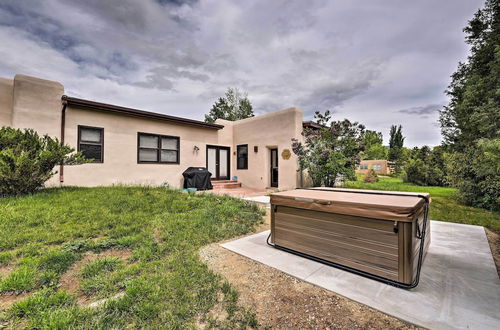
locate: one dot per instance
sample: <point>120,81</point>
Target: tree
<point>27,160</point>
<point>233,106</point>
<point>471,120</point>
<point>396,141</point>
<point>373,147</point>
<point>426,166</point>
<point>330,151</point>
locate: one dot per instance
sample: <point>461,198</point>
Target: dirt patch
<point>494,240</point>
<point>7,299</point>
<point>217,313</point>
<point>5,270</point>
<point>70,281</point>
<point>283,302</point>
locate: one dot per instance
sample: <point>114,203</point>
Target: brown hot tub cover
<point>341,201</point>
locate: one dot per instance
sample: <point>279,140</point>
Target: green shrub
<point>27,160</point>
<point>330,152</point>
<point>423,174</point>
<point>476,173</point>
<point>426,167</point>
<point>370,176</point>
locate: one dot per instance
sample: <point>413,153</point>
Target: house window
<point>376,167</point>
<point>154,148</point>
<point>91,143</point>
<point>242,155</point>
<point>363,167</point>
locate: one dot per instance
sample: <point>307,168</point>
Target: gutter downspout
<point>63,124</point>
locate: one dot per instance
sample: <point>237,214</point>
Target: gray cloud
<point>179,56</point>
<point>425,110</point>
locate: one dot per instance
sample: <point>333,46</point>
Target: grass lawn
<point>163,282</point>
<point>444,206</point>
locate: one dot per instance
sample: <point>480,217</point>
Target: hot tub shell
<point>373,233</point>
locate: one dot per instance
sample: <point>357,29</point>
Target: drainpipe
<point>63,124</point>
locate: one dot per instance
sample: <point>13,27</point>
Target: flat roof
<point>311,124</point>
<point>73,101</point>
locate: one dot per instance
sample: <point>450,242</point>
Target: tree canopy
<point>473,112</point>
<point>470,123</point>
<point>330,151</point>
<point>233,106</point>
<point>396,142</point>
<point>373,146</point>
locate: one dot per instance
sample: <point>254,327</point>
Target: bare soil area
<point>494,240</point>
<point>281,301</point>
<point>284,302</point>
<point>70,281</point>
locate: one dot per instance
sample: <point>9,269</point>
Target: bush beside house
<point>331,151</point>
<point>27,160</point>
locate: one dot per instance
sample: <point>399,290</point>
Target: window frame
<point>377,167</point>
<point>101,144</point>
<point>238,157</point>
<point>158,148</point>
<point>363,166</point>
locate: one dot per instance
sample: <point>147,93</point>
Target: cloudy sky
<point>379,62</point>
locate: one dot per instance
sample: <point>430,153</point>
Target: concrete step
<point>226,184</point>
<point>223,181</point>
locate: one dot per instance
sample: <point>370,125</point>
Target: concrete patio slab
<point>459,286</point>
<point>266,200</point>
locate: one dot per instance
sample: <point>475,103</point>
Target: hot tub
<point>378,234</point>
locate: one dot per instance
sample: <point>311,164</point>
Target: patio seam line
<point>317,270</point>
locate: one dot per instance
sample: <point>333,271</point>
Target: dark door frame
<point>274,183</point>
<point>217,161</point>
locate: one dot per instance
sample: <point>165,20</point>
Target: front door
<point>218,162</point>
<point>274,167</point>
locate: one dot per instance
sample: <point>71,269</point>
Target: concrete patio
<point>459,285</point>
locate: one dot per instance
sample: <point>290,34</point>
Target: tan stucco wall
<point>29,102</point>
<point>272,130</point>
<point>37,105</point>
<point>225,135</point>
<point>383,166</point>
<point>120,150</point>
<point>6,97</point>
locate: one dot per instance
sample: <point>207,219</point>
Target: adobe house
<point>131,146</point>
<point>380,166</point>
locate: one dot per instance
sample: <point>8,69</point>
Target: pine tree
<point>396,142</point>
